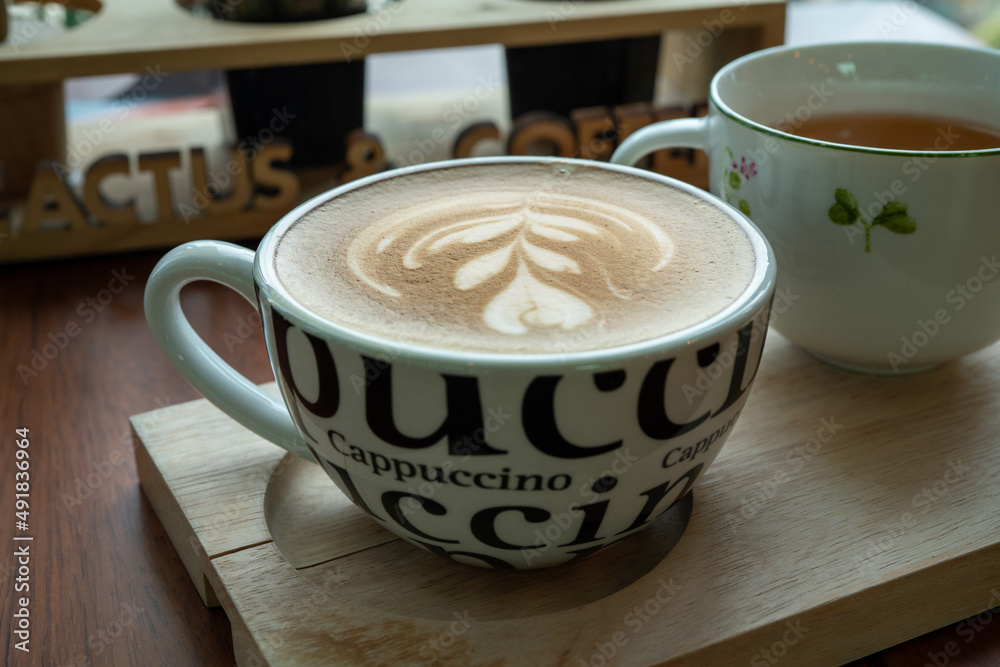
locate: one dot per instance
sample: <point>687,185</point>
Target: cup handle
<point>232,266</point>
<point>681,133</point>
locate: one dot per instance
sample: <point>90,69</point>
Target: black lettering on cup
<point>484,530</point>
<point>658,493</point>
<point>652,412</point>
<point>539,421</point>
<point>328,401</point>
<point>464,416</point>
<point>593,516</point>
<point>390,501</point>
<point>736,388</point>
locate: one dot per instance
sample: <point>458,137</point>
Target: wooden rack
<point>144,36</point>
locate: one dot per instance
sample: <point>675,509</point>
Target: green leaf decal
<point>744,207</point>
<point>900,223</point>
<point>841,215</point>
<point>847,200</point>
<point>734,180</point>
<point>894,208</point>
<point>893,216</point>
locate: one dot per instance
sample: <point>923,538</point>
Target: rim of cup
<point>754,297</point>
<point>730,69</point>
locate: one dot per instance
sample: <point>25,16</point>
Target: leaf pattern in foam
<point>554,233</point>
<point>529,303</point>
<point>477,232</point>
<point>510,245</point>
<point>482,268</point>
<point>548,259</point>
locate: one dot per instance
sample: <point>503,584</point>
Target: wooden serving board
<point>846,513</point>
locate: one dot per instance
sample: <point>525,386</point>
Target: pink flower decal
<point>748,169</point>
<point>734,176</point>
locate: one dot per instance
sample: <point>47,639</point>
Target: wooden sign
<point>245,196</point>
<point>591,133</point>
<point>241,199</point>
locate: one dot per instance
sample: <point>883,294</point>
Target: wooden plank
<point>846,514</point>
<point>211,507</point>
<point>152,36</point>
<point>174,521</point>
<point>303,495</point>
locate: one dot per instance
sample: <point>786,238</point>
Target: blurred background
<point>406,95</point>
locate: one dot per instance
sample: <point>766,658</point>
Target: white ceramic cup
<point>888,260</point>
<point>497,460</point>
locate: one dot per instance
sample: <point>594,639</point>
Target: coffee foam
<point>515,258</point>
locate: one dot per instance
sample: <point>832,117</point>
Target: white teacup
<point>504,460</point>
<point>888,259</point>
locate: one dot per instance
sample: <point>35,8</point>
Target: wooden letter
<point>283,183</point>
<point>631,117</point>
<point>365,155</point>
<point>50,199</point>
<point>595,132</point>
<point>97,204</point>
<point>541,133</point>
<point>161,164</point>
<point>207,191</point>
<point>472,135</point>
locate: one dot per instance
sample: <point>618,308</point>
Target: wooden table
<point>106,586</point>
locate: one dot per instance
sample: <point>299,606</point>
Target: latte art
<point>555,260</point>
<point>514,257</point>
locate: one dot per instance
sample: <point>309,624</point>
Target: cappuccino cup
<point>872,170</point>
<point>508,362</point>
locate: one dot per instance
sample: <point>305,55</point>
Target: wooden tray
<point>847,513</point>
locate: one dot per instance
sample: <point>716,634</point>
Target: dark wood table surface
<point>105,585</point>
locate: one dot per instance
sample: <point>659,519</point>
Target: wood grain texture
<point>111,549</point>
<point>105,549</point>
<point>171,39</point>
